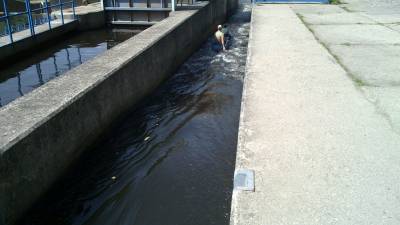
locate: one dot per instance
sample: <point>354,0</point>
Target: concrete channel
<point>42,132</point>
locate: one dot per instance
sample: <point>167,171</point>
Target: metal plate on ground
<point>244,180</point>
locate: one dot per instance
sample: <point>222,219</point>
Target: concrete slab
<point>387,102</point>
<point>373,6</point>
<point>395,27</point>
<point>317,9</point>
<point>320,151</point>
<point>373,65</point>
<point>355,34</point>
<point>336,18</point>
<point>386,18</point>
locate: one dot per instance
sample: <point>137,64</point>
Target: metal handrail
<point>32,22</point>
<point>37,9</point>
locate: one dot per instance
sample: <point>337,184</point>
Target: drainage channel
<point>22,77</point>
<point>171,160</point>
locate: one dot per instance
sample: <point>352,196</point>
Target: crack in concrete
<point>381,111</point>
<point>382,24</point>
<point>359,44</point>
<point>357,82</point>
<point>354,78</point>
<point>345,8</point>
<point>340,24</point>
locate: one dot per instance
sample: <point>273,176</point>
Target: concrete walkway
<point>321,151</point>
<point>364,37</point>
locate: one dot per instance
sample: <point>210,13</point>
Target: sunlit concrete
<point>356,34</point>
<point>371,65</point>
<point>323,146</point>
<point>368,52</point>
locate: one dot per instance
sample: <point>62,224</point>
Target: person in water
<point>220,36</point>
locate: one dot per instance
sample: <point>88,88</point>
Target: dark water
<point>24,76</point>
<point>170,161</point>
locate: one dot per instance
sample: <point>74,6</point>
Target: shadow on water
<point>22,77</point>
<point>171,160</point>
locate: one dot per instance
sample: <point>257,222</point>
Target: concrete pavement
<point>321,149</point>
<point>364,37</point>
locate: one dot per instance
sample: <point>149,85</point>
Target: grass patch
<point>358,82</point>
<point>335,2</point>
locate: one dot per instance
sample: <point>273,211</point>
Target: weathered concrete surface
<point>395,27</point>
<point>356,34</point>
<point>321,151</point>
<point>45,131</point>
<point>373,7</point>
<point>90,16</point>
<point>368,51</point>
<point>336,18</point>
<point>371,65</point>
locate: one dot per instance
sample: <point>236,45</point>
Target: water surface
<point>171,160</point>
<point>31,72</point>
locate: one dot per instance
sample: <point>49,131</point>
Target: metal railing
<point>30,22</point>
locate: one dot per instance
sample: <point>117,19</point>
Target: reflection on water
<point>171,160</point>
<point>32,72</point>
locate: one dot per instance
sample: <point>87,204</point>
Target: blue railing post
<point>7,21</point>
<point>73,9</point>
<point>61,10</point>
<point>28,9</point>
<point>48,13</point>
<point>11,28</point>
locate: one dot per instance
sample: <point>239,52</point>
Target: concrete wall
<point>91,20</point>
<point>44,132</point>
<point>232,5</point>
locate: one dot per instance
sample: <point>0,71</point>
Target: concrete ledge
<point>45,131</point>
